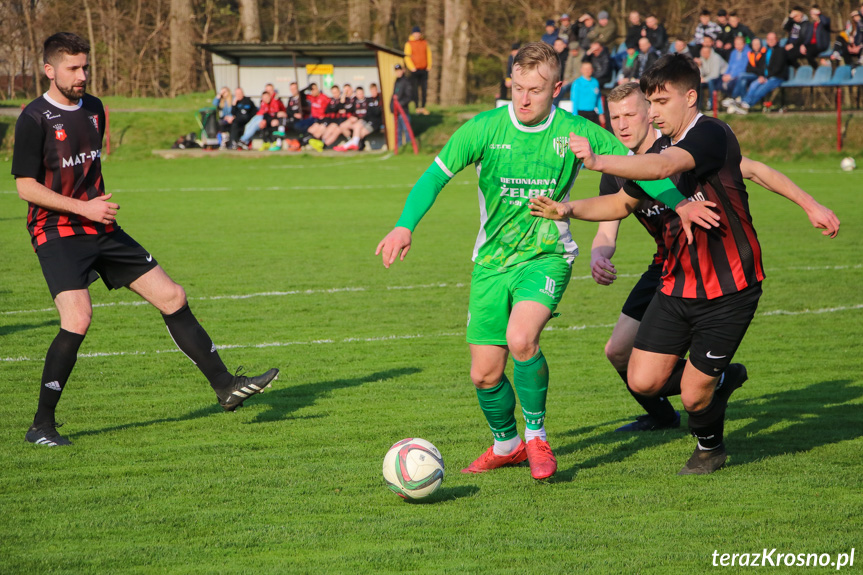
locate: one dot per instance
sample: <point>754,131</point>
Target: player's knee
<point>78,322</point>
<point>619,357</point>
<point>175,298</point>
<point>521,346</point>
<point>484,378</point>
<point>644,384</point>
<point>695,400</point>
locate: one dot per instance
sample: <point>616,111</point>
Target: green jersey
<point>514,163</point>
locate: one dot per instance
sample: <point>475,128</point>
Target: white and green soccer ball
<point>413,468</point>
<point>848,164</point>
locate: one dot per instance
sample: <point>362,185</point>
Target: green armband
<point>422,196</point>
<point>662,190</point>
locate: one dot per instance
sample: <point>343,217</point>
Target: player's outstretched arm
<point>396,244</point>
<point>820,216</point>
<point>637,167</point>
<point>599,209</point>
<point>604,245</point>
<point>98,210</point>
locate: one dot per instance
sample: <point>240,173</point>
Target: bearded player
<point>74,231</point>
<point>522,264</point>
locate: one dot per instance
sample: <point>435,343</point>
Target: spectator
<point>647,57</point>
<point>815,36</point>
<point>563,56</point>
<point>627,69</point>
<point>724,34</point>
<point>712,66</point>
<point>572,70</point>
<point>346,114</point>
<point>265,121</point>
<point>333,112</point>
<point>242,112</point>
<point>402,93</point>
<point>605,31</point>
<point>224,104</point>
<point>418,59</point>
<point>586,24</point>
<point>586,97</point>
<point>738,59</point>
<point>848,47</point>
<point>679,47</point>
<point>775,72</point>
<point>550,33</point>
<point>507,77</point>
<point>738,29</point>
<point>655,32</point>
<point>599,57</point>
<point>566,29</point>
<point>755,65</point>
<point>359,126</point>
<point>793,26</point>
<point>635,29</point>
<point>705,27</point>
<point>294,109</point>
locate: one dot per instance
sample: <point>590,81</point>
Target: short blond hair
<point>534,54</point>
<point>620,93</point>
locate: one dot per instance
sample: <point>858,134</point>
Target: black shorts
<point>643,292</point>
<point>74,262</point>
<point>710,329</point>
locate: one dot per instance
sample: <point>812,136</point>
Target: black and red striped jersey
<point>650,213</point>
<point>60,147</point>
<point>333,109</point>
<point>295,106</point>
<point>349,107</point>
<point>361,108</point>
<point>722,260</point>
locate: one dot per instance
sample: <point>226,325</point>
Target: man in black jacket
<point>814,36</point>
<point>775,72</point>
<point>243,111</point>
<point>402,94</point>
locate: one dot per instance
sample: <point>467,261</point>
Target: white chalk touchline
<point>292,343</point>
<point>364,289</point>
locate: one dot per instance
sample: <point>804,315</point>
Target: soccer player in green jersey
<point>522,263</point>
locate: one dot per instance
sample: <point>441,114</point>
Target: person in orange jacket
<point>418,58</point>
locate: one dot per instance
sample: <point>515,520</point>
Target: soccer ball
<point>413,468</point>
<point>848,164</point>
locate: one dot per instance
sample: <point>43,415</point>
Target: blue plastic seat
<point>802,78</point>
<point>822,76</point>
<point>856,77</point>
<point>841,75</point>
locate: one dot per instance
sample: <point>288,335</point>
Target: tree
<point>359,25</point>
<point>183,72</point>
<point>383,21</point>
<point>433,33</point>
<point>456,45</point>
<point>250,19</point>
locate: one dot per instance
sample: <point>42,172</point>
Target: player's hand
<point>696,213</point>
<point>543,207</point>
<point>582,150</point>
<point>824,218</point>
<point>100,210</point>
<point>397,243</point>
<point>603,271</point>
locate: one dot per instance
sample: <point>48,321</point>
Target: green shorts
<point>494,293</point>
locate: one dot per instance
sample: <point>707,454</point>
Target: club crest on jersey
<point>560,144</point>
<point>95,121</point>
<point>59,132</point>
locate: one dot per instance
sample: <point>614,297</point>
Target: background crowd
<point>736,64</point>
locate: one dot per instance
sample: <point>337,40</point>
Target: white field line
<point>292,343</point>
<point>397,337</point>
<point>389,288</point>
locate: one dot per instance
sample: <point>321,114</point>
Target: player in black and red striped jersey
<point>630,121</point>
<point>72,223</point>
<point>366,122</point>
<point>331,114</point>
<point>711,279</point>
<point>346,114</point>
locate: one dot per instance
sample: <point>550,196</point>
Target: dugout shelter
<point>251,66</point>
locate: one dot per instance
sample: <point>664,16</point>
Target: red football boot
<point>542,461</point>
<point>490,460</point>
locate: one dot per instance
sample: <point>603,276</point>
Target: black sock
<point>192,340</point>
<point>657,407</point>
<point>708,424</point>
<point>672,386</point>
<point>59,361</point>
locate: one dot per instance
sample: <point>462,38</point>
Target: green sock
<point>531,383</point>
<point>498,406</point>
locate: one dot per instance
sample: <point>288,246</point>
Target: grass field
<point>276,255</point>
